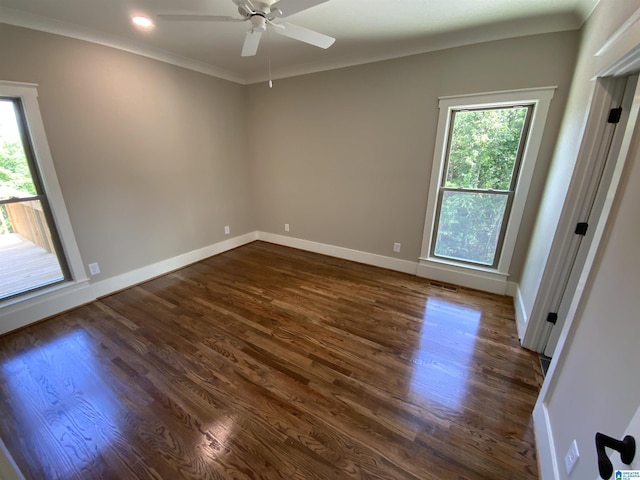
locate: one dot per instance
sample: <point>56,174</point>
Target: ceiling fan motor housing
<point>258,22</point>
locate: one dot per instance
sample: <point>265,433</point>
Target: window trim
<point>28,95</point>
<point>540,98</point>
<point>509,192</point>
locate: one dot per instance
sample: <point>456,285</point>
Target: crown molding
<point>36,22</point>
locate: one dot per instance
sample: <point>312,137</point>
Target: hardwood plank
<point>272,363</point>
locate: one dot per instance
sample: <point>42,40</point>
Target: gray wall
<point>151,158</point>
<point>345,156</point>
<point>154,160</point>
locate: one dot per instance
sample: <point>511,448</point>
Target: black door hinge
<point>552,317</point>
<point>614,115</point>
<point>581,228</point>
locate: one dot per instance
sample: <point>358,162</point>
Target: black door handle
<point>626,447</point>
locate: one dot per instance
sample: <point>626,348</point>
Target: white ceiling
<point>365,30</point>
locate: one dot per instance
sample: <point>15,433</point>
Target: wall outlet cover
<point>572,457</point>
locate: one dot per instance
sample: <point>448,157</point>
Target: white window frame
<point>28,95</point>
<point>465,274</point>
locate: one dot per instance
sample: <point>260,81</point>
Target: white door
<point>592,204</point>
<point>620,470</point>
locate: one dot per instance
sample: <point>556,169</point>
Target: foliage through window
<point>483,156</point>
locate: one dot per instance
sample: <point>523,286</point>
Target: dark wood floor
<point>270,363</point>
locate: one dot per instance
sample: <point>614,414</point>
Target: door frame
<point>591,208</point>
<point>607,94</point>
<point>623,52</point>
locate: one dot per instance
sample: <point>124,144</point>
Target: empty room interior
<point>321,239</point>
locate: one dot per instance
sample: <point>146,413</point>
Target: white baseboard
<point>113,284</point>
<point>359,256</point>
<point>545,449</point>
<point>58,299</point>
<point>512,289</point>
<point>521,313</point>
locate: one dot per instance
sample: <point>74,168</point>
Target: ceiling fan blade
<point>251,42</point>
<point>284,8</point>
<point>304,35</point>
<point>199,18</point>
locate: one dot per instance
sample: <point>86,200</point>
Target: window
<point>37,248</point>
<point>486,148</point>
<point>29,247</point>
<point>476,192</point>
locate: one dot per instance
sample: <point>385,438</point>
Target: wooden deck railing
<point>28,220</point>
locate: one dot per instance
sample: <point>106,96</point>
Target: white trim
<point>520,312</point>
<point>512,289</point>
<point>477,279</point>
<point>45,305</point>
<point>120,282</point>
<point>359,256</point>
<point>598,191</point>
<point>542,99</point>
<point>607,94</point>
<point>618,34</point>
<point>545,449</point>
<point>19,85</point>
<point>621,50</point>
<point>28,94</point>
<point>629,152</point>
<point>614,40</point>
<point>497,94</point>
<point>627,64</point>
<point>59,299</point>
<point>493,280</point>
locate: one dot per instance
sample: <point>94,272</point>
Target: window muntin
<point>31,252</point>
<point>483,156</point>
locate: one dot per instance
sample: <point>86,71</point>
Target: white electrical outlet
<point>286,227</point>
<point>227,230</point>
<point>396,247</point>
<point>572,457</point>
<point>94,268</point>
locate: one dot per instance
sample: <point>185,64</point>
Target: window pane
<point>469,226</point>
<point>27,253</point>
<point>484,148</point>
<point>15,176</point>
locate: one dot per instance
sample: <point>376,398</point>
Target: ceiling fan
<point>263,14</point>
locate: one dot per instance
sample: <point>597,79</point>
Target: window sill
<point>471,276</point>
<point>36,294</point>
<point>21,311</point>
<point>463,266</point>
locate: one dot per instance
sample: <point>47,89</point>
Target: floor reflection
<point>56,393</point>
<point>443,353</point>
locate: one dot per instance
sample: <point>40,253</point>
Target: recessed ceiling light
<point>143,22</point>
